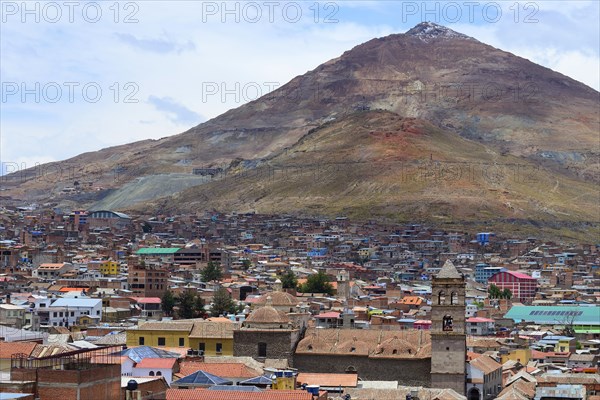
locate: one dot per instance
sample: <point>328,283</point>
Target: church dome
<point>278,299</point>
<point>267,315</point>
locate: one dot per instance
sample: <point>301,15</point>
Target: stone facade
<point>448,338</point>
<point>407,372</point>
<point>263,344</point>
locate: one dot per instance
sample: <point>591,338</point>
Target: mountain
<point>428,125</point>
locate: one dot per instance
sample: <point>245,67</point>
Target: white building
<point>484,378</point>
<point>66,312</point>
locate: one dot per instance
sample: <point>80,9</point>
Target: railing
<point>72,360</point>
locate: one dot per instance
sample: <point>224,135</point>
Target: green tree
<point>246,264</point>
<point>186,302</point>
<point>289,280</point>
<point>212,272</point>
<point>167,303</point>
<point>317,283</point>
<point>222,303</point>
<point>506,294</point>
<point>494,292</point>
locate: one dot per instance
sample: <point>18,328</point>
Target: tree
<point>246,264</point>
<point>506,294</point>
<point>212,272</point>
<point>186,302</point>
<point>317,283</point>
<point>289,280</point>
<point>168,302</point>
<point>222,303</point>
<point>494,292</point>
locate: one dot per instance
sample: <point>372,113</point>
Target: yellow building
<point>214,337</point>
<point>521,355</point>
<point>161,334</point>
<point>109,268</point>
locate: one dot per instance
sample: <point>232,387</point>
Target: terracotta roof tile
<point>328,380</point>
<point>485,364</point>
<point>203,394</point>
<point>7,349</point>
<point>225,370</point>
<point>167,363</point>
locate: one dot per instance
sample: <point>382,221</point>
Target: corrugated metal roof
<point>69,302</point>
<point>552,315</point>
<point>157,250</point>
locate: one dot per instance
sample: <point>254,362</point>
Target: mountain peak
<point>429,30</point>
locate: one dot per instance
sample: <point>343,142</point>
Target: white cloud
<point>176,51</point>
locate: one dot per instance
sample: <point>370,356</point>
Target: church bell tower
<point>448,336</point>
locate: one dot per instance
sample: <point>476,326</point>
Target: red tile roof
<point>224,370</point>
<point>328,380</point>
<point>479,319</point>
<point>331,314</point>
<point>7,349</point>
<point>203,394</point>
<point>163,363</point>
<point>147,300</point>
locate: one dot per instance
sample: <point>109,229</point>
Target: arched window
<point>447,323</point>
<point>454,298</point>
<point>158,373</point>
<point>394,351</point>
<point>151,373</point>
<point>441,297</point>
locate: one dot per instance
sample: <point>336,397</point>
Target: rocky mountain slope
<point>418,104</point>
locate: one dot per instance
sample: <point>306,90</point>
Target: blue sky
<point>82,76</point>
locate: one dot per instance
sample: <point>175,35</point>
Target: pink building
<point>521,285</point>
<point>423,324</point>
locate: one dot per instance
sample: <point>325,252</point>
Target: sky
<point>80,76</point>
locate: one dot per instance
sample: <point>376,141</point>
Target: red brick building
<point>522,286</point>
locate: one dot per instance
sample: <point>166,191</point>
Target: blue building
<point>484,271</point>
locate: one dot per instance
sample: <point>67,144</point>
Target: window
<point>262,349</point>
<point>158,373</point>
<point>454,298</point>
<point>151,373</point>
<point>447,323</point>
<point>441,297</point>
<point>202,347</point>
<point>161,341</point>
<point>219,347</point>
<point>54,314</point>
<point>72,313</point>
<point>181,342</point>
<point>141,341</point>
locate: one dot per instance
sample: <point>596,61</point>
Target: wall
<point>414,372</point>
<point>151,338</point>
<point>98,383</point>
<point>279,344</point>
<point>520,355</point>
<point>211,344</point>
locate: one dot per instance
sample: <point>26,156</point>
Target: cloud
<point>161,46</point>
<point>176,112</point>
